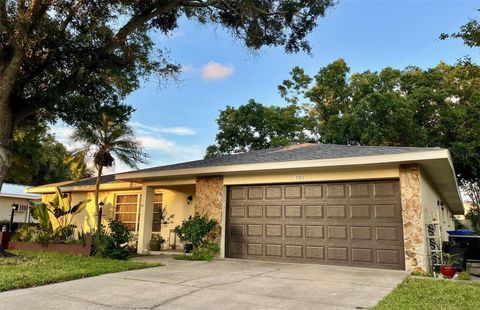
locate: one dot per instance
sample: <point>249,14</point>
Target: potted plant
<point>448,261</point>
<point>194,230</point>
<point>156,243</point>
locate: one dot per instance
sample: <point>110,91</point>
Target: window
<point>157,213</point>
<point>127,210</point>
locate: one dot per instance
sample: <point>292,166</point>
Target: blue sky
<point>176,122</point>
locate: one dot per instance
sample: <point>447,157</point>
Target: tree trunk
<point>6,138</point>
<point>9,69</point>
<point>97,193</point>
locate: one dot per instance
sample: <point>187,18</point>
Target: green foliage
<point>205,252</point>
<point>459,225</point>
<point>432,294</point>
<point>449,259</point>
<point>62,211</point>
<point>473,216</point>
<point>195,229</point>
<point>107,137</point>
<point>469,33</point>
<point>30,269</point>
<point>38,159</point>
<point>156,242</point>
<point>434,107</point>
<point>253,127</point>
<point>113,243</point>
<point>67,60</point>
<point>464,275</point>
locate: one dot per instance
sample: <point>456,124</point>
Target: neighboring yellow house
<point>14,195</point>
<point>308,203</point>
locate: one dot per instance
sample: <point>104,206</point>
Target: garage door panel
<point>336,211</point>
<point>384,189</point>
<point>361,233</point>
<point>314,231</point>
<point>338,253</point>
<point>293,251</point>
<point>360,211</point>
<point>254,230</point>
<point>255,249</point>
<point>273,211</point>
<point>337,232</point>
<point>359,190</point>
<point>335,191</point>
<point>273,250</point>
<point>314,211</point>
<point>273,230</point>
<point>237,211</point>
<point>255,211</point>
<point>293,192</point>
<point>293,211</point>
<point>351,223</point>
<point>314,191</point>
<point>293,231</point>
<point>390,257</point>
<point>273,193</point>
<point>315,252</point>
<point>362,255</point>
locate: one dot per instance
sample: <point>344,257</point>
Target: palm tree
<point>106,139</point>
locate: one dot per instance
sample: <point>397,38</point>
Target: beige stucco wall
<point>6,209</point>
<point>314,175</point>
<point>432,212</point>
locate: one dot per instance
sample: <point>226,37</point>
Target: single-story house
<point>14,195</point>
<point>314,203</point>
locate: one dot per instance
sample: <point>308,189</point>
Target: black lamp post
<point>14,208</point>
<point>100,210</point>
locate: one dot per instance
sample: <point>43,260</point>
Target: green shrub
<point>464,275</point>
<point>113,243</point>
<point>195,229</point>
<point>205,252</point>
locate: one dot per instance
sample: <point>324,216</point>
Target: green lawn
<point>433,294</point>
<point>36,268</point>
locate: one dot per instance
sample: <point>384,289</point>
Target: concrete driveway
<point>221,284</point>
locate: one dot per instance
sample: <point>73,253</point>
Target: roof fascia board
<point>318,163</point>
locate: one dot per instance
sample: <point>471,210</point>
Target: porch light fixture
<point>99,220</point>
<point>440,204</point>
<point>14,208</point>
<point>189,199</point>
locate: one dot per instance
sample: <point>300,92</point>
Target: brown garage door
<point>351,223</point>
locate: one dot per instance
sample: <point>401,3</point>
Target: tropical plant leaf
<point>79,207</point>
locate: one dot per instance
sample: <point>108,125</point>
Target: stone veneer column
<point>209,199</point>
<point>413,221</point>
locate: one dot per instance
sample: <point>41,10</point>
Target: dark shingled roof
<point>91,181</point>
<point>306,151</point>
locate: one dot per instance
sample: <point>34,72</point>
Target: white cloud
<point>174,151</point>
<point>179,131</point>
<point>216,71</point>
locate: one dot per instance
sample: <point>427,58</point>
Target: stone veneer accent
<point>413,222</point>
<point>209,199</point>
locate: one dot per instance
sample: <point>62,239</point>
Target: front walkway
<point>221,284</point>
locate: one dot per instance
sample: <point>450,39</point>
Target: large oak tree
<point>65,59</point>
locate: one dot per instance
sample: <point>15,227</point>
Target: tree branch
<point>71,14</point>
<point>140,19</point>
<point>3,13</point>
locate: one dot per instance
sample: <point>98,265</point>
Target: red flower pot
<point>448,271</point>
